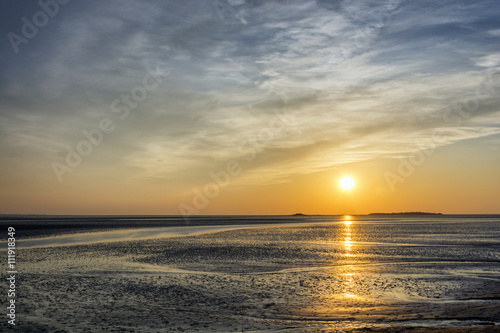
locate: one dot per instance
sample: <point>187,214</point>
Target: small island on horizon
<point>394,213</point>
<point>407,213</point>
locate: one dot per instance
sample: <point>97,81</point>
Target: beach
<point>250,166</point>
<point>352,274</point>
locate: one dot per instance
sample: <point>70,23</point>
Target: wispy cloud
<point>356,80</point>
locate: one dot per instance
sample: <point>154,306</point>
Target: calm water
<point>467,231</point>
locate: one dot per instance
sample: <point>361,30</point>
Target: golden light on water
<point>347,239</point>
<point>349,285</point>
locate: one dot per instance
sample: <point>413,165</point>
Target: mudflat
<point>323,277</point>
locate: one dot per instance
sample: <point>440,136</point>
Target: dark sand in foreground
<point>290,278</point>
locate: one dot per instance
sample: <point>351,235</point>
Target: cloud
<point>355,81</point>
<point>491,60</point>
<point>495,32</point>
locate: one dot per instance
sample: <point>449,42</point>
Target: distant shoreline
<point>407,213</point>
<point>399,213</point>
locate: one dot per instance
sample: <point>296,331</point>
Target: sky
<point>249,106</point>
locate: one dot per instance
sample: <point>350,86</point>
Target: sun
<point>346,183</point>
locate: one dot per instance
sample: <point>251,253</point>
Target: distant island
<point>407,213</point>
<point>399,213</point>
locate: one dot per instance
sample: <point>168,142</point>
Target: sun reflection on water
<point>348,285</point>
<point>347,239</point>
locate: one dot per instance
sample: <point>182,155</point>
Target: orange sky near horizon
<point>449,181</point>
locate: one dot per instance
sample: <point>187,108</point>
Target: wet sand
<point>311,278</point>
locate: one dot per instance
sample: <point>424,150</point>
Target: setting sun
<point>346,183</point>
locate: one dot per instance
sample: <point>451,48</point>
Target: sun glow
<point>346,183</point>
